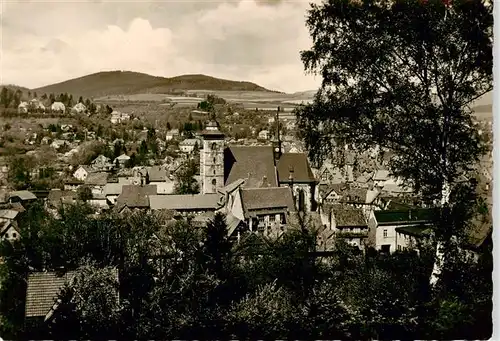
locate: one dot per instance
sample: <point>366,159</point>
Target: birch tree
<point>401,75</point>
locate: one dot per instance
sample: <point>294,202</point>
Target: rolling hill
<point>127,83</point>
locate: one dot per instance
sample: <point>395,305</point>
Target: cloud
<point>246,40</point>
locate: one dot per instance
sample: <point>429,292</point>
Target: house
<point>42,294</point>
<point>386,232</point>
<point>395,187</point>
<point>157,175</point>
<point>186,203</point>
<point>58,107</point>
<point>79,108</point>
<point>99,200</point>
<point>329,174</point>
<point>58,198</point>
<point>46,140</point>
<point>35,105</point>
<point>96,181</point>
<point>121,160</point>
<point>265,210</point>
<point>101,163</point>
<point>188,145</point>
<point>350,224</point>
<point>58,144</point>
<point>21,197</point>
<point>380,177</point>
<point>9,229</point>
<point>172,134</point>
<point>112,191</point>
<point>119,117</point>
<point>263,135</point>
<point>134,197</point>
<point>82,172</point>
<point>22,108</point>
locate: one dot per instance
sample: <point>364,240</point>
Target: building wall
<point>80,174</point>
<point>212,165</point>
<point>186,148</point>
<point>163,187</point>
<point>237,207</point>
<point>11,234</point>
<point>387,238</point>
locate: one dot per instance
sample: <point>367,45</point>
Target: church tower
<point>212,158</point>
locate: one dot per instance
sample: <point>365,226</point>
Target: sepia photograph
<point>246,170</point>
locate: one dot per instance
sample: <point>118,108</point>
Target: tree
<point>19,172</point>
<point>84,193</point>
<point>132,162</point>
<point>4,97</point>
<point>217,247</point>
<point>118,149</point>
<point>186,183</point>
<point>401,75</point>
<point>268,313</point>
<point>17,97</point>
<point>92,300</point>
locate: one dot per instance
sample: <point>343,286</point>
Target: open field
<point>250,100</point>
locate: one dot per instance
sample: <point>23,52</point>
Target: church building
<point>261,185</point>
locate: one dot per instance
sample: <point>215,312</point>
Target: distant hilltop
<point>128,83</point>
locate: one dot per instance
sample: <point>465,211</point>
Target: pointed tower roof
<point>212,129</point>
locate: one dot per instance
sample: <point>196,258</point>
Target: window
<point>214,146</point>
<point>214,159</point>
<point>261,220</point>
<point>14,235</point>
<point>385,233</point>
<point>214,184</point>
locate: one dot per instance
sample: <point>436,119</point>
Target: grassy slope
<point>126,82</point>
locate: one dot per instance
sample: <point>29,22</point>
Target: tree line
<point>182,281</point>
<point>11,98</point>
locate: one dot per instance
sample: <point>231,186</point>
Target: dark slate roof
<point>184,201</point>
<point>302,171</point>
<point>348,216</point>
<point>251,163</point>
<point>97,179</point>
<point>267,198</point>
<point>421,215</point>
<point>135,196</point>
<point>42,291</point>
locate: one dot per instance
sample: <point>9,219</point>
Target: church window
<point>214,146</point>
<point>302,201</point>
<point>214,159</point>
<point>214,185</point>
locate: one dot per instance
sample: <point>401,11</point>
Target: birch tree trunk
<point>440,256</point>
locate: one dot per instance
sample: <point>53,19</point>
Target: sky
<point>45,42</point>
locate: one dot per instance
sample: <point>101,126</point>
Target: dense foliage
<point>177,281</point>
